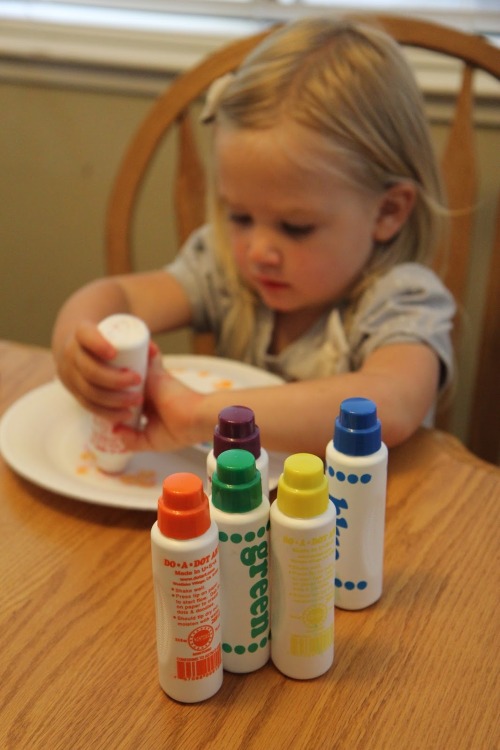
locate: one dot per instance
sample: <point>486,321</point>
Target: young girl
<point>326,207</point>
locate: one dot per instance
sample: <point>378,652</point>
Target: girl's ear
<point>396,205</point>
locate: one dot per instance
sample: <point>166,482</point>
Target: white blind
<point>133,44</point>
<point>480,16</point>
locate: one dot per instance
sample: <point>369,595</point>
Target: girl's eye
<point>297,230</point>
<point>243,220</point>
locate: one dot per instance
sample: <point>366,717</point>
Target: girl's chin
<point>278,306</point>
<point>277,298</point>
<point>293,309</point>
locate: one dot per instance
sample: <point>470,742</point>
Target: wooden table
<point>77,629</point>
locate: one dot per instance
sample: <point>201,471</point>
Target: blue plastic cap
<point>357,430</point>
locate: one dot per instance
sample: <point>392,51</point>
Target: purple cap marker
<point>236,428</point>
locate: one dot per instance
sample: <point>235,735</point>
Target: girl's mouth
<point>272,284</point>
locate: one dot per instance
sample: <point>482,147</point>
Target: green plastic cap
<point>303,487</point>
<point>236,483</point>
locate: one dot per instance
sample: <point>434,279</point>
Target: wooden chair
<point>172,110</point>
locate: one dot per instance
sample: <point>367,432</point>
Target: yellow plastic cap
<point>303,487</point>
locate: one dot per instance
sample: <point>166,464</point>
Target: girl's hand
<point>170,409</point>
<point>84,365</point>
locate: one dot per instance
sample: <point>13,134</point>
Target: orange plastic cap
<point>183,510</point>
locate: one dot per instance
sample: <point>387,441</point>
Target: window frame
<point>91,45</point>
<point>479,16</point>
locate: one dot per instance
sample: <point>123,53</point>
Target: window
<point>46,41</point>
<point>482,16</point>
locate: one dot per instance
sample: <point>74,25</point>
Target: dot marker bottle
<point>302,570</point>
<point>241,513</point>
<point>185,559</point>
<point>130,336</point>
<point>236,428</point>
<point>356,467</point>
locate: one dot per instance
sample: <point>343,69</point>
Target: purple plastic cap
<point>237,429</point>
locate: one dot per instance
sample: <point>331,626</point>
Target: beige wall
<point>59,150</point>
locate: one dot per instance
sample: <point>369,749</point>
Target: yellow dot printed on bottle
<point>315,615</point>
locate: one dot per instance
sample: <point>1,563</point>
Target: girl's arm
<point>82,355</point>
<point>402,379</point>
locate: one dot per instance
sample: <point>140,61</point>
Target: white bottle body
<point>302,581</point>
<point>130,336</point>
<point>261,463</point>
<point>186,581</point>
<point>245,587</point>
<point>357,486</point>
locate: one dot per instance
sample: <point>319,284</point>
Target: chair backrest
<point>172,110</point>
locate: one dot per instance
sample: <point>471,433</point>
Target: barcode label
<point>199,666</point>
<point>311,645</point>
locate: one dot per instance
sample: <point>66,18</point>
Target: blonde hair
<point>350,84</point>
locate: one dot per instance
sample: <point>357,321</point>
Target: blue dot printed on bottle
<point>351,585</point>
<point>341,505</point>
<point>351,478</point>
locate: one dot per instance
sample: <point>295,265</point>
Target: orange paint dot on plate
<point>222,384</point>
<point>144,478</point>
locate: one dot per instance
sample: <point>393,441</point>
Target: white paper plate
<point>44,436</point>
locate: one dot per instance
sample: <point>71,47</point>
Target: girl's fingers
<point>153,351</point>
<point>89,338</point>
<point>154,436</point>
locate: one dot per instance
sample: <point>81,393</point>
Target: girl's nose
<point>263,248</point>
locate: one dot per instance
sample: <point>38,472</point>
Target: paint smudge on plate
<point>87,465</point>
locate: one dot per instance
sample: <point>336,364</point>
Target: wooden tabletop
<point>420,669</point>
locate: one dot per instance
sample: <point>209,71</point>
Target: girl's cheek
<point>241,268</point>
<point>239,254</point>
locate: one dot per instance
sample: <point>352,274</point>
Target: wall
<point>59,151</point>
